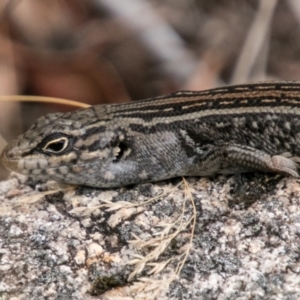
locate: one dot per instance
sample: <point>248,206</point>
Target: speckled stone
<point>77,243</point>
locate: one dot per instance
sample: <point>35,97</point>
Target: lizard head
<point>74,148</point>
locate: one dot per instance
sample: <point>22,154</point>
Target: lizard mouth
<point>8,163</point>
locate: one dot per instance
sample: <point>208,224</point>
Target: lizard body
<point>252,127</point>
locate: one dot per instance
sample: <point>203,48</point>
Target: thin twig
<point>254,41</point>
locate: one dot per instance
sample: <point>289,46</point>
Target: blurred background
<point>111,51</point>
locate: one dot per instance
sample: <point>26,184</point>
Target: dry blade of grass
<point>189,193</point>
<point>42,99</point>
<point>157,286</point>
<point>35,196</point>
<point>110,205</point>
<point>254,41</point>
<point>32,197</point>
<point>29,198</point>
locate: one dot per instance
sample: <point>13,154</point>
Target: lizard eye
<point>56,144</point>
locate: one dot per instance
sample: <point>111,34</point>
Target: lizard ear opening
<point>122,149</point>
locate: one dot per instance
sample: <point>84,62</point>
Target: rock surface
<point>223,238</point>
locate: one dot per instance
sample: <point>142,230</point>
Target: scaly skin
<point>224,130</point>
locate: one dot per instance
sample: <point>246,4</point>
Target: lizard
<point>225,130</point>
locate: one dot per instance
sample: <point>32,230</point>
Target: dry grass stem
<point>144,285</point>
<point>41,99</point>
<point>31,198</point>
<point>110,205</point>
<point>254,41</point>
